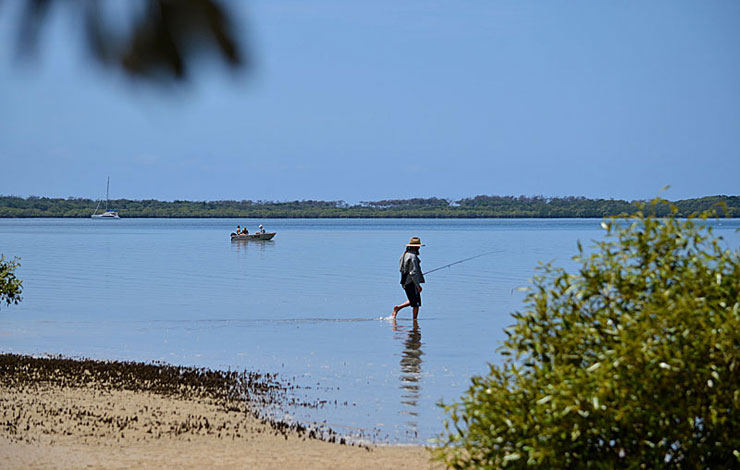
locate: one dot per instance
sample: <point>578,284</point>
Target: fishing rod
<point>463,260</point>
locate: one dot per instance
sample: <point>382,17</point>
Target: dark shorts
<point>412,294</point>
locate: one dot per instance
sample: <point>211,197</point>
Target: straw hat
<point>415,241</point>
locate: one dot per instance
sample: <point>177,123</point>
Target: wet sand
<point>58,413</point>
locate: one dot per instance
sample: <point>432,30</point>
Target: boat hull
<point>105,215</point>
<point>254,236</point>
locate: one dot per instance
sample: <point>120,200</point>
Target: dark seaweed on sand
<point>258,394</point>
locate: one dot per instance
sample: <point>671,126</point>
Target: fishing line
<point>462,261</point>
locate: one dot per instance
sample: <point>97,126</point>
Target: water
<point>308,305</point>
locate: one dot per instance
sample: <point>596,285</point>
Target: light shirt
<point>411,269</point>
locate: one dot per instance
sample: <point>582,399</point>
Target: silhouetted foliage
<point>631,362</point>
<point>163,40</point>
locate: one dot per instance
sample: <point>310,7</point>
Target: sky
<point>370,100</point>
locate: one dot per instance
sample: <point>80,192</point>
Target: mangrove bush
<point>10,286</point>
<point>630,361</point>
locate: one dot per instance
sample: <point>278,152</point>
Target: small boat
<point>253,236</point>
<point>108,214</point>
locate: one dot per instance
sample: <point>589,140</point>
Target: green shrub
<point>632,362</point>
<point>10,286</point>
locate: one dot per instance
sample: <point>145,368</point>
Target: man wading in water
<point>411,277</point>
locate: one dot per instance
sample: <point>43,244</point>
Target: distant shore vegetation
<point>474,207</point>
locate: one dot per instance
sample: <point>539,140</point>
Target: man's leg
<point>397,308</point>
<point>416,312</point>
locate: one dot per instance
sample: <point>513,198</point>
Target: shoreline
<point>60,413</point>
<point>362,217</point>
<point>481,206</point>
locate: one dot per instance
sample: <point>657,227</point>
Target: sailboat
<point>108,214</point>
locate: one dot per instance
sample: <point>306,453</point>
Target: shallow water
<point>309,304</point>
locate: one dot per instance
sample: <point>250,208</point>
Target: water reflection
<point>245,245</point>
<point>410,373</point>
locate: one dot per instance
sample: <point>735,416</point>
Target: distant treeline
<point>476,207</point>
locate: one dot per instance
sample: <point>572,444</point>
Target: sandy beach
<point>58,413</point>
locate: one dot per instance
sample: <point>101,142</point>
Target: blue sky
<point>377,100</point>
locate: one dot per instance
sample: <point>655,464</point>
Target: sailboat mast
<point>107,189</point>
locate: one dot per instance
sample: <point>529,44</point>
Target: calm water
<point>307,305</point>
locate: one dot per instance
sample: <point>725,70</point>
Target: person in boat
<point>411,277</point>
<point>245,231</point>
<point>238,229</point>
<point>261,230</point>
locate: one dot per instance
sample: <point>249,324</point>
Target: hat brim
<point>415,244</point>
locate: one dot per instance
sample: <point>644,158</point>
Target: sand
<point>96,415</point>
